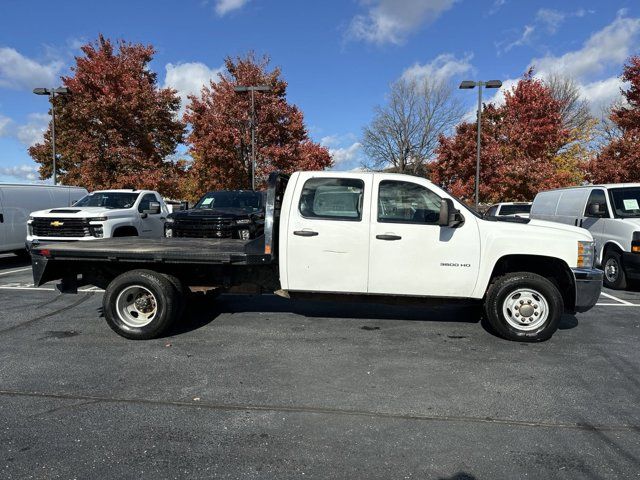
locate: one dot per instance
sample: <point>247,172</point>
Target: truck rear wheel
<point>524,307</point>
<point>140,304</point>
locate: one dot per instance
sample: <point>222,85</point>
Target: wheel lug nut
<point>535,306</point>
<point>521,302</point>
<point>529,302</point>
<point>536,313</point>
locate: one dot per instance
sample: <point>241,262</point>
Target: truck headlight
<point>243,221</point>
<point>586,254</point>
<point>97,219</point>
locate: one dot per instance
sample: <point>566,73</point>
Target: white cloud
<point>345,150</point>
<point>189,78</point>
<point>609,46</point>
<point>20,72</point>
<point>497,5</point>
<point>601,93</point>
<point>524,39</point>
<point>32,132</point>
<point>390,21</point>
<point>222,7</point>
<point>346,157</point>
<point>22,172</point>
<point>441,68</point>
<point>5,126</point>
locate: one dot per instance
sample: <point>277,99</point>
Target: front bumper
<point>588,287</point>
<point>631,265</point>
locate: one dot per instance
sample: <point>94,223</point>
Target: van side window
<point>597,196</point>
<point>332,199</point>
<point>406,202</point>
<point>492,211</point>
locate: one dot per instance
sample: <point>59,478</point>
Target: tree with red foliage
<point>520,140</point>
<point>116,128</point>
<point>220,139</point>
<point>619,161</point>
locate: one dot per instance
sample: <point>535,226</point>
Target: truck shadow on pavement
<point>203,311</point>
<point>10,261</point>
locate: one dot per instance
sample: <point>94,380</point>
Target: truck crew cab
<point>342,236</point>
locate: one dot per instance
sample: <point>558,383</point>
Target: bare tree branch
<point>403,134</point>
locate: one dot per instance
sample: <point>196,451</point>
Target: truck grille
<point>204,229</point>
<point>60,227</point>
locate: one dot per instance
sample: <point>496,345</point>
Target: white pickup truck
<point>345,236</point>
<point>101,214</point>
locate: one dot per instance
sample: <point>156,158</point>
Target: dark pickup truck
<point>223,214</point>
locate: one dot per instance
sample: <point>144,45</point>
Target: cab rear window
<point>332,199</point>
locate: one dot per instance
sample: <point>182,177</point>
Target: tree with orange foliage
<point>520,141</point>
<point>619,160</point>
<point>220,139</point>
<point>116,128</point>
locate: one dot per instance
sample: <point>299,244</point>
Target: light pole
<point>253,88</point>
<point>51,92</point>
<point>469,84</point>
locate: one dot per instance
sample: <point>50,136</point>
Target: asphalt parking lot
<point>262,387</point>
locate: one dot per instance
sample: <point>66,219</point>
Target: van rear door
<point>571,206</point>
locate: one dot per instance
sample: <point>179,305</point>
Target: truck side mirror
<point>449,216</point>
<point>154,208</point>
<point>597,209</point>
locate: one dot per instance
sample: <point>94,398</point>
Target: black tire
<point>503,301</point>
<point>182,293</point>
<point>156,294</point>
<point>614,276</point>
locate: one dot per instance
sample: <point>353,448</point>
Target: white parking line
<point>624,302</point>
<point>16,271</point>
<point>46,289</point>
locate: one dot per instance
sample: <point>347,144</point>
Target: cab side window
<point>407,202</point>
<point>597,197</point>
<point>144,203</point>
<point>332,199</point>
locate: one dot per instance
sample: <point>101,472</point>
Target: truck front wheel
<point>524,307</point>
<point>140,304</point>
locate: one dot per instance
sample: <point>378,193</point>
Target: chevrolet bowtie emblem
<point>57,223</point>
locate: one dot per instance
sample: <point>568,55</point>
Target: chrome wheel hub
<point>137,306</point>
<point>525,309</point>
<point>611,270</point>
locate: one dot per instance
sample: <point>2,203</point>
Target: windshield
<point>514,209</point>
<point>247,201</point>
<point>626,201</point>
<point>108,200</point>
<point>465,205</point>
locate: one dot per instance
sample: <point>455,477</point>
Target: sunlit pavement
<point>262,387</point>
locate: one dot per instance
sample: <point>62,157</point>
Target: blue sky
<point>339,56</point>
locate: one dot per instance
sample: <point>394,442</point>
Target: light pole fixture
<point>52,92</point>
<point>252,89</point>
<point>467,85</point>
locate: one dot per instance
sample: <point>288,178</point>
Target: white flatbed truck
<point>347,236</point>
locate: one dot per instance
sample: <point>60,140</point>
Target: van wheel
<point>524,307</point>
<point>614,276</point>
<point>140,304</point>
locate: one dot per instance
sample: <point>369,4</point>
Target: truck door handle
<point>1,218</point>
<point>305,233</point>
<point>388,237</point>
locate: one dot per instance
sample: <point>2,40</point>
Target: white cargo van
<point>611,213</point>
<point>18,201</point>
